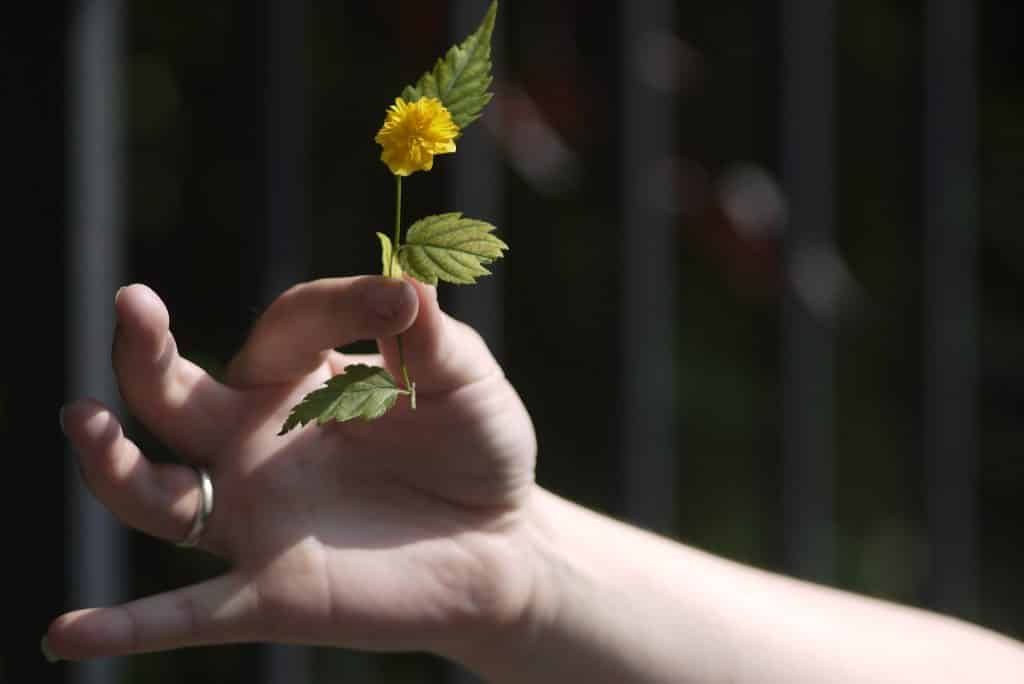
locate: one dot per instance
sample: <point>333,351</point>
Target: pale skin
<point>426,530</point>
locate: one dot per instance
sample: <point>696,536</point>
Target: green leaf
<point>461,79</point>
<point>450,248</point>
<point>389,268</point>
<point>360,392</point>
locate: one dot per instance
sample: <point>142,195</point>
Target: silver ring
<point>203,510</point>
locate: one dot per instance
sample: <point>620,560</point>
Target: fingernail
<point>61,417</point>
<point>118,293</point>
<point>386,299</point>
<point>44,646</point>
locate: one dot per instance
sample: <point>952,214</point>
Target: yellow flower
<point>413,132</point>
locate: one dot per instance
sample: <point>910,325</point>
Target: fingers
<point>221,610</point>
<point>302,326</point>
<point>177,400</point>
<point>159,499</point>
<point>440,352</point>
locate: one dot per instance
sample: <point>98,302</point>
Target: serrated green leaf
<point>360,392</point>
<point>460,80</point>
<point>450,248</point>
<point>390,268</point>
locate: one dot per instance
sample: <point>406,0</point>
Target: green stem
<point>409,385</point>
<point>398,222</point>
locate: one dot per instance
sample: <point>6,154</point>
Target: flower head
<point>413,132</point>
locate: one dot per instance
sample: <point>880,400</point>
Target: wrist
<point>606,602</point>
<point>515,595</point>
<point>550,555</point>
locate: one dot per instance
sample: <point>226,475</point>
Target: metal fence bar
<point>648,456</point>
<point>287,247</point>
<point>97,557</point>
<point>476,187</point>
<point>808,168</point>
<point>288,244</point>
<point>951,303</point>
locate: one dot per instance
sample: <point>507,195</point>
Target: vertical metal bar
<point>288,244</point>
<point>287,255</point>
<point>951,294</point>
<point>808,165</point>
<point>97,557</point>
<point>476,188</point>
<point>649,459</point>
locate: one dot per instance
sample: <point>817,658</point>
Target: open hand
<point>396,534</point>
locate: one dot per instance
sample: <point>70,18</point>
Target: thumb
<point>218,610</point>
<point>441,353</point>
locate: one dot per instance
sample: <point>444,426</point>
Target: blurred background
<point>770,250</point>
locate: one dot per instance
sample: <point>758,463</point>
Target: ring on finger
<point>203,510</point>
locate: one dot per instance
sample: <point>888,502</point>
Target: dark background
<point>195,82</point>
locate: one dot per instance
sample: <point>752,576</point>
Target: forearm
<point>615,604</point>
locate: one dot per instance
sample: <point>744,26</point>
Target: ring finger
<point>160,499</point>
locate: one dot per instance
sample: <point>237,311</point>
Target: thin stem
<point>398,223</point>
<point>409,385</point>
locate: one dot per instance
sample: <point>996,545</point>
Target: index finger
<point>302,326</point>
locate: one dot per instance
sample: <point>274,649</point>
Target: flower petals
<point>413,132</point>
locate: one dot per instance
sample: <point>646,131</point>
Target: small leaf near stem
<point>362,391</point>
<point>387,268</point>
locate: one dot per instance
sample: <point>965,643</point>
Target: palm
<point>391,506</point>
<point>380,535</point>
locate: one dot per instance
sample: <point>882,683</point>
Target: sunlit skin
<point>425,530</point>
<point>392,534</point>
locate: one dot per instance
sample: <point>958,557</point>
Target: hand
<point>395,534</point>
